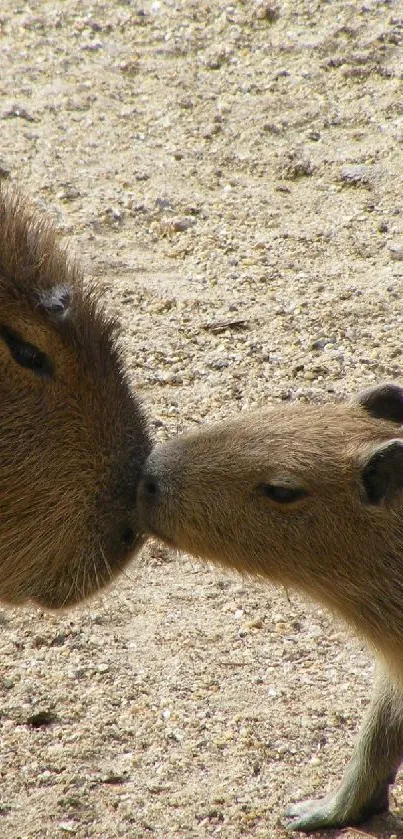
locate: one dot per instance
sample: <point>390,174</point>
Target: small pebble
<point>396,251</point>
<point>267,11</point>
<point>4,170</point>
<point>296,165</point>
<point>68,827</point>
<point>357,173</point>
<point>181,224</point>
<point>17,111</point>
<point>69,193</point>
<point>320,343</point>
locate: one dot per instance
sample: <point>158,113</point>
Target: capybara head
<point>306,495</point>
<point>73,438</point>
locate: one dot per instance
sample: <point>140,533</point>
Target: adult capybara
<point>73,437</point>
<point>310,497</point>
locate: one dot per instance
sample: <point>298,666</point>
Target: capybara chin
<point>73,438</point>
<point>310,497</point>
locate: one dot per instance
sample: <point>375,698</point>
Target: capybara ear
<point>383,402</point>
<point>56,301</point>
<point>382,473</point>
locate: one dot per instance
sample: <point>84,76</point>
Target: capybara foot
<point>332,812</point>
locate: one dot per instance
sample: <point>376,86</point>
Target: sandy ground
<point>234,175</point>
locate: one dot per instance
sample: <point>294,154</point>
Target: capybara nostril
<point>127,537</point>
<point>150,491</point>
<point>151,488</point>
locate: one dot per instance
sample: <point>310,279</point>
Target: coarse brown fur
<point>310,497</point>
<point>73,438</point>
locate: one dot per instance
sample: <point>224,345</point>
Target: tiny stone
<point>113,214</point>
<point>271,128</point>
<point>180,225</point>
<point>130,67</point>
<point>396,251</point>
<point>68,827</point>
<point>18,111</point>
<point>296,166</point>
<point>321,343</point>
<point>255,623</point>
<point>210,130</point>
<point>267,11</point>
<point>278,618</point>
<point>69,193</point>
<point>313,135</point>
<point>163,203</point>
<point>4,170</point>
<point>356,173</point>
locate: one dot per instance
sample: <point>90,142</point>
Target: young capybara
<point>73,438</point>
<point>310,497</point>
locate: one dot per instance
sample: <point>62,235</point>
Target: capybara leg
<point>364,789</point>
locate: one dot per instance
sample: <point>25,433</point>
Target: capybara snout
<point>73,438</point>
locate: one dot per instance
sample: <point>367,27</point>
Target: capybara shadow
<point>309,497</point>
<point>73,437</point>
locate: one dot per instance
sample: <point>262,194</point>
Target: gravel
<point>232,175</point>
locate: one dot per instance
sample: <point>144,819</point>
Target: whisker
<point>128,575</point>
<point>106,563</point>
<point>97,579</point>
<point>83,591</point>
<point>69,592</point>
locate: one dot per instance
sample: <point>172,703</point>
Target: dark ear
<point>383,402</point>
<point>56,301</point>
<point>382,473</point>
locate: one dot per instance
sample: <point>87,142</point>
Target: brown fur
<point>72,437</point>
<point>215,494</point>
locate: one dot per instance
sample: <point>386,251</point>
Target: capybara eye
<point>26,354</point>
<point>281,494</point>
